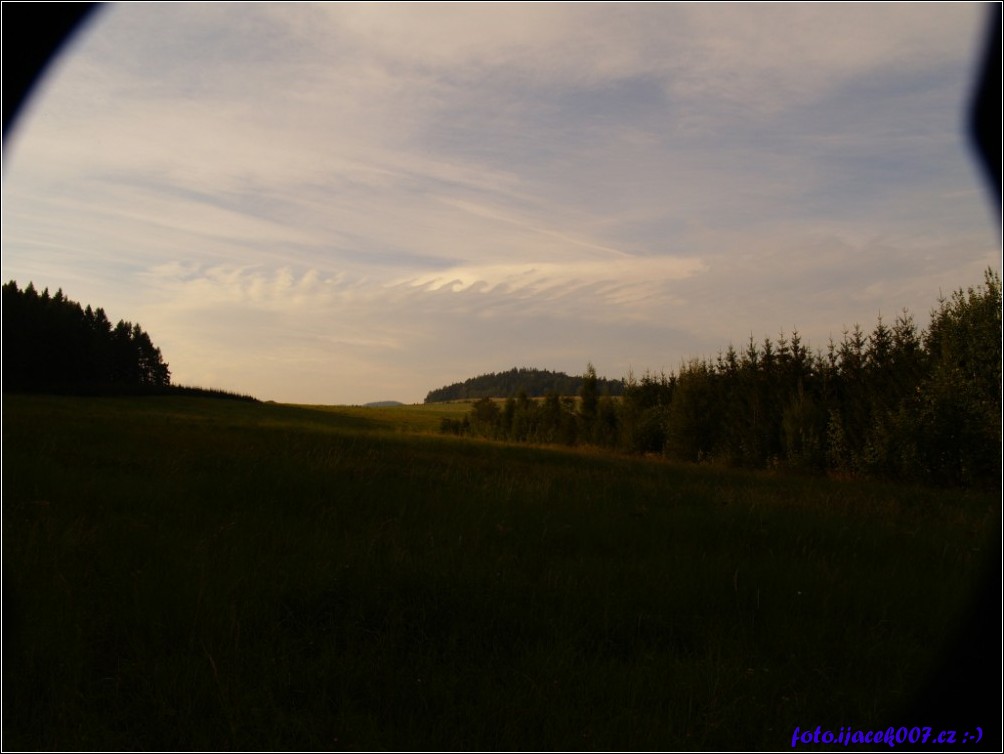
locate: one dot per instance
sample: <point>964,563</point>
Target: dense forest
<point>53,345</point>
<point>50,343</point>
<point>535,383</point>
<point>895,403</point>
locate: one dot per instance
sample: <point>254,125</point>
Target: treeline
<point>534,383</point>
<point>53,345</point>
<point>895,403</point>
<point>50,344</point>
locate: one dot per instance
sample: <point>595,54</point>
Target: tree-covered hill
<point>52,344</point>
<point>535,383</point>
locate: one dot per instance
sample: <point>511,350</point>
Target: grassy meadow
<point>187,573</point>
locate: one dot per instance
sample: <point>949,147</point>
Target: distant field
<point>420,417</point>
<point>188,573</point>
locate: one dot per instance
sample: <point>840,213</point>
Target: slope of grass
<point>186,573</point>
<point>419,417</point>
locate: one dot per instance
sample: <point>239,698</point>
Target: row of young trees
<point>51,344</point>
<point>897,403</point>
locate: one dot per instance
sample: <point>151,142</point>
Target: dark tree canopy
<point>895,403</point>
<point>536,383</point>
<point>51,344</point>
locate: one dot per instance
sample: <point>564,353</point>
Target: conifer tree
<point>50,343</point>
<point>589,396</point>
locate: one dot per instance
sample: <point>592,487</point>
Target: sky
<point>346,203</point>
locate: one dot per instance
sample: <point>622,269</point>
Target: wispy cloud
<point>346,202</point>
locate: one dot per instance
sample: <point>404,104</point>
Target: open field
<point>193,573</point>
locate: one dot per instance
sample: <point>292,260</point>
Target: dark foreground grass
<point>185,573</point>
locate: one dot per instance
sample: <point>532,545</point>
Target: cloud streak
<point>352,202</point>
